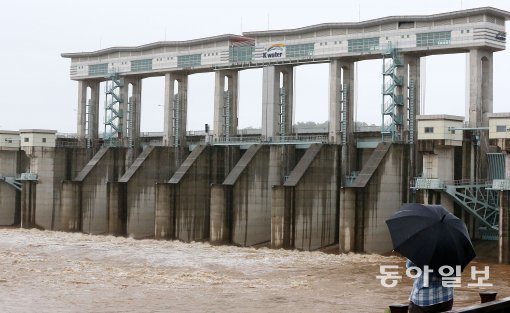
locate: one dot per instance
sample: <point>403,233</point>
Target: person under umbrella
<point>432,239</point>
<point>429,294</point>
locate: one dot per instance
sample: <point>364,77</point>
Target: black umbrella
<point>430,235</point>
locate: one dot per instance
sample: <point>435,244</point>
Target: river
<point>44,271</point>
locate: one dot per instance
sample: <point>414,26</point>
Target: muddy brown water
<point>42,271</point>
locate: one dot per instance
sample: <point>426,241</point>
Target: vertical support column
<point>335,94</point>
<point>88,109</point>
<point>400,97</point>
<point>81,126</point>
<point>135,111</point>
<point>93,114</point>
<point>342,84</point>
<point>480,104</point>
<point>123,110</point>
<point>277,117</point>
<point>412,104</point>
<point>413,63</point>
<point>176,109</point>
<point>480,87</point>
<point>225,105</point>
<point>130,111</point>
<point>287,101</point>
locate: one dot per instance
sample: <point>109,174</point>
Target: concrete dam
<point>280,186</point>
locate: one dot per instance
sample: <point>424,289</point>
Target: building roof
<point>160,44</point>
<point>440,117</point>
<point>40,131</point>
<point>403,18</point>
<point>499,115</point>
<point>8,132</point>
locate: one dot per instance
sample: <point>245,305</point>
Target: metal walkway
<point>282,140</point>
<point>15,182</point>
<point>478,198</point>
<point>11,181</point>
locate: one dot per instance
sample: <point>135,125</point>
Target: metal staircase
<point>113,110</point>
<point>392,98</point>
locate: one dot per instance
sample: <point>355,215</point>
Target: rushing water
<point>65,272</point>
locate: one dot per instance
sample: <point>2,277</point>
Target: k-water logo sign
<point>276,51</point>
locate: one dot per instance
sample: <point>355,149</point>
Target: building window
<point>429,130</point>
<point>433,39</point>
<point>10,141</point>
<point>467,31</point>
<point>363,45</point>
<point>241,53</point>
<point>300,50</point>
<point>44,140</point>
<point>25,139</point>
<point>141,65</point>
<point>98,69</point>
<point>462,31</point>
<point>500,128</point>
<point>189,60</point>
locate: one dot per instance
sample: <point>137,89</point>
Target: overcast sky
<point>36,91</point>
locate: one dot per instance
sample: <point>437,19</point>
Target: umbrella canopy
<point>430,235</point>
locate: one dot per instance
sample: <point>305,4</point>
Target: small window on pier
<point>500,128</point>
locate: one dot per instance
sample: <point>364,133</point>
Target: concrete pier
<point>164,217</point>
<point>28,204</point>
<point>305,209</point>
<point>136,191</point>
<point>277,101</point>
<point>379,190</point>
<point>10,165</point>
<point>107,165</point>
<point>480,102</point>
<point>70,213</point>
<point>88,112</point>
<point>52,166</point>
<point>131,106</point>
<point>204,167</point>
<point>183,207</point>
<point>248,192</point>
<point>225,105</point>
<point>176,109</point>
